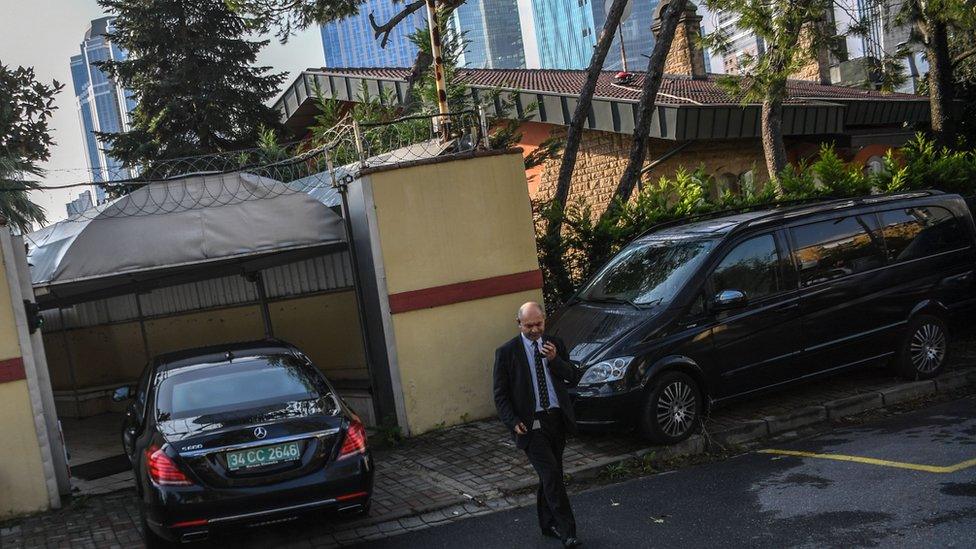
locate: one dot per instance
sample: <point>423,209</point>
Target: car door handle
<point>789,307</point>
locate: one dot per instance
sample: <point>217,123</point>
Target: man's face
<point>533,323</point>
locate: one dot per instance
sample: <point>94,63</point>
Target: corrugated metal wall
<point>323,273</point>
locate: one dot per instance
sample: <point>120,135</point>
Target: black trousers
<point>545,452</point>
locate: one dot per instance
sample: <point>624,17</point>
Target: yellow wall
<point>454,222</point>
<point>186,331</point>
<point>446,356</point>
<point>22,486</point>
<point>441,224</point>
<point>324,326</point>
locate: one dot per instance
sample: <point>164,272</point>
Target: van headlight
<point>605,371</point>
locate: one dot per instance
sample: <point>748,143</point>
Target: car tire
<point>672,409</point>
<point>924,348</point>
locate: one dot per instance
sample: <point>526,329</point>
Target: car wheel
<point>672,409</point>
<point>924,349</point>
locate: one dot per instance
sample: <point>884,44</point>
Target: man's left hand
<point>549,350</point>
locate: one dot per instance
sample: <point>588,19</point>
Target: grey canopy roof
<point>194,224</point>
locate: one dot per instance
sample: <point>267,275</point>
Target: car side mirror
<point>727,300</point>
<point>122,393</point>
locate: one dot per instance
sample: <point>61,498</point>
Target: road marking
<point>882,462</point>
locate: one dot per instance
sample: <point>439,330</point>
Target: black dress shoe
<point>572,542</point>
<point>551,532</point>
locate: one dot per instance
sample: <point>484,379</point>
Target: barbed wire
<point>230,178</point>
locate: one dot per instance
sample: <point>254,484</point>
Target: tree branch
<point>963,56</point>
<point>386,28</point>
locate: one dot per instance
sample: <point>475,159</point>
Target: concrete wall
<point>462,222</point>
<point>22,482</point>
<point>325,326</point>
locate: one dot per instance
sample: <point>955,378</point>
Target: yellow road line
<point>872,461</point>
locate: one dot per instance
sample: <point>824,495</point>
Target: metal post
<point>483,121</point>
<point>71,362</point>
<point>263,298</point>
<point>142,328</point>
<point>435,51</point>
<point>360,303</point>
<point>357,134</point>
<point>329,166</point>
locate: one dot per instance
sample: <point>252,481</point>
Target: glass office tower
<point>103,105</point>
<point>492,34</point>
<point>350,42</point>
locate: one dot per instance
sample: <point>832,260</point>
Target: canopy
<point>197,226</point>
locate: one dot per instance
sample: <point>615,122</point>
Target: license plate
<point>263,455</point>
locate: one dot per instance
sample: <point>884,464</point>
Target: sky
<point>46,33</point>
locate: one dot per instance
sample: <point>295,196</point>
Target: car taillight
<point>162,470</point>
<point>355,442</point>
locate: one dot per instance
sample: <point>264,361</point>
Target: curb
<point>760,429</point>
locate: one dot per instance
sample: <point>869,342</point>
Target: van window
<point>751,267</point>
<point>918,232</point>
<point>832,249</point>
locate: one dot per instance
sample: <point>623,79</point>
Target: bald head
<point>531,320</point>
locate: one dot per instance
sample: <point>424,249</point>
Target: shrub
<point>587,242</point>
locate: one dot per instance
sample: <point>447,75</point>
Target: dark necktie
<point>541,378</point>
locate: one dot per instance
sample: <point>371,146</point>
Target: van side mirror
<point>122,393</point>
<point>727,300</point>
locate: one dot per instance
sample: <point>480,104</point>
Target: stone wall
<point>602,160</point>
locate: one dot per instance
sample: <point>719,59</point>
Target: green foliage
<point>290,16</point>
<point>26,107</point>
<point>588,241</point>
<point>191,70</point>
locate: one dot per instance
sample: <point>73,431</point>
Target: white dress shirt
<point>528,344</point>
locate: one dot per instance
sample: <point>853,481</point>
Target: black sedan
<point>249,433</point>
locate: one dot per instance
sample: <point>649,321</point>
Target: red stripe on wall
<point>465,291</point>
<point>12,369</point>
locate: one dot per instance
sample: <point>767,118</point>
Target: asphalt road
<point>776,500</point>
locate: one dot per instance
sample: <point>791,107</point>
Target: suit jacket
<point>514,394</point>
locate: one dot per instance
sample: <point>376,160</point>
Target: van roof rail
<point>783,207</point>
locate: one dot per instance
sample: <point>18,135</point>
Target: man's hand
<point>549,350</point>
<point>520,428</point>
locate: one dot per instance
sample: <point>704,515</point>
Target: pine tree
<point>191,70</point>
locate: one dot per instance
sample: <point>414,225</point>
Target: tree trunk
<point>940,84</point>
<point>582,112</point>
<point>774,149</point>
<point>645,110</point>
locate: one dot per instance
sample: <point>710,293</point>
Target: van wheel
<point>672,410</point>
<point>924,349</point>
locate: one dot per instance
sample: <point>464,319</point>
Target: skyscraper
<point>103,105</point>
<point>560,34</point>
<point>492,34</point>
<point>350,41</point>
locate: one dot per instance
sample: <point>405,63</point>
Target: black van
<point>692,315</point>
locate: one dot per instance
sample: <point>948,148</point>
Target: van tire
<point>672,409</point>
<point>924,348</point>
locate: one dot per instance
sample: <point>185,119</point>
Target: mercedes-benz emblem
<point>260,432</point>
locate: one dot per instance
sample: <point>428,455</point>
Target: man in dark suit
<point>531,374</point>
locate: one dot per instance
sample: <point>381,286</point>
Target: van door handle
<point>790,307</point>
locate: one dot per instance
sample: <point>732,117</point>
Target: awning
<point>192,228</point>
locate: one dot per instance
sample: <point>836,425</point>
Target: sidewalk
<point>475,468</point>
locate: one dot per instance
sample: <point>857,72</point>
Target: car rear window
<point>242,384</point>
<point>918,232</point>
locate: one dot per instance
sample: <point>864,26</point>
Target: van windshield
<point>649,271</point>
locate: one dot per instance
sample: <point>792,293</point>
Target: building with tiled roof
<point>697,122</point>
